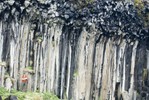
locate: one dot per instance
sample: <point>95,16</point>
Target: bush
<point>51,96</point>
<point>27,95</point>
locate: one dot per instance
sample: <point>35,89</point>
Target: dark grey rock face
<point>99,51</point>
<point>11,97</point>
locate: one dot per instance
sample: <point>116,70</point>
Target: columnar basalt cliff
<point>95,51</point>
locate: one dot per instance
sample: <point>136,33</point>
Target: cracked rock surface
<point>90,51</point>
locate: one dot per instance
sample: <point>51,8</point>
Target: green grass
<point>29,68</point>
<point>47,95</point>
<point>28,95</point>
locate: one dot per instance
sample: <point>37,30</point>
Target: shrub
<point>28,95</point>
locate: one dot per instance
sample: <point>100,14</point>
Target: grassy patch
<point>28,95</point>
<point>47,95</point>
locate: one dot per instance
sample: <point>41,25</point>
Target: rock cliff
<point>92,51</point>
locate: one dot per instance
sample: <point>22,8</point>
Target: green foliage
<point>29,69</point>
<point>100,97</point>
<point>65,95</point>
<point>75,74</point>
<point>53,44</point>
<point>145,74</point>
<point>89,1</point>
<point>3,92</point>
<point>49,96</point>
<point>28,95</point>
<point>39,39</point>
<point>139,5</point>
<point>31,62</point>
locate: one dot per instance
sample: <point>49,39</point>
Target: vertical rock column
<point>46,59</point>
<point>133,59</point>
<point>1,51</point>
<point>84,65</point>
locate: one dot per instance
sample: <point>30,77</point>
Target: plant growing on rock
<point>39,39</point>
<point>29,69</point>
<point>142,12</point>
<point>82,3</point>
<point>145,76</point>
<point>75,74</point>
<point>3,64</point>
